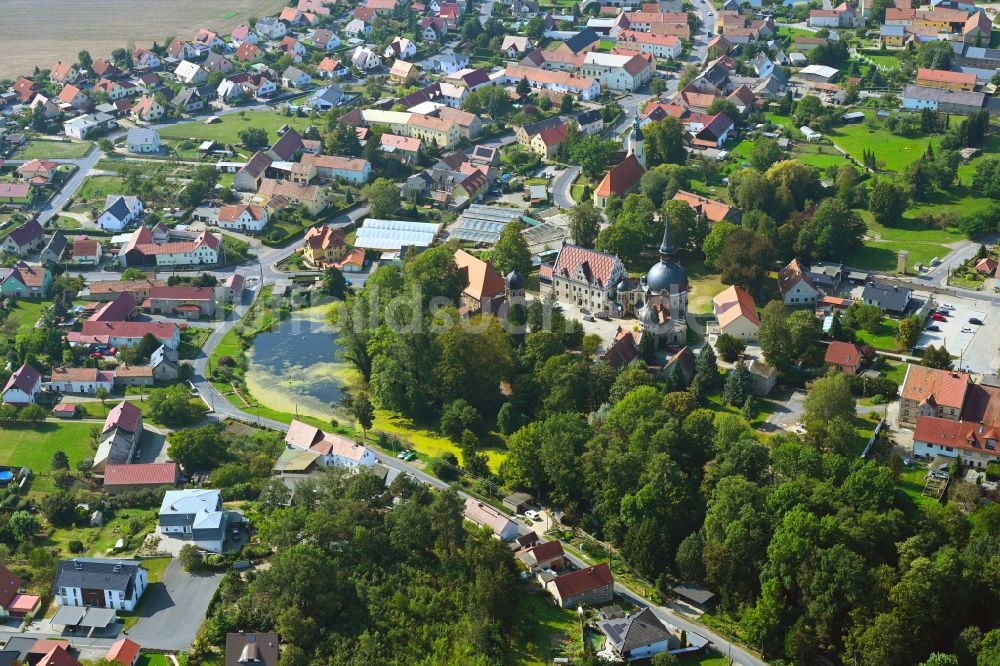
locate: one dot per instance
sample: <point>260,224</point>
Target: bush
<point>729,347</point>
<point>256,551</point>
<point>867,388</point>
<point>993,471</point>
<point>75,547</point>
<point>445,467</point>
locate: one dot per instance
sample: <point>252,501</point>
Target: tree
<point>707,366</point>
<point>738,384</point>
<point>593,153</point>
<point>934,55</point>
<point>664,142</point>
<point>887,201</point>
<point>174,407</point>
<point>715,240</point>
<point>511,251</point>
<point>383,198</point>
<point>584,224</point>
<point>85,60</point>
<point>198,449</point>
<point>102,395</point>
<point>60,460</point>
<point>190,558</point>
<point>363,412</point>
<point>566,104</point>
<point>24,526</point>
<point>657,86</point>
<point>508,419</point>
<point>909,332</point>
<point>523,87</point>
<point>253,138</point>
<point>745,258</point>
<point>133,274</point>
<point>59,508</point>
<point>730,347</point>
<point>334,284</point>
<point>765,153</point>
<point>34,414</point>
<point>457,417</point>
<point>937,357</point>
<point>664,658</point>
<point>829,397</point>
<point>774,336</point>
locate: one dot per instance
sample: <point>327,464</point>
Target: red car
<point>937,316</point>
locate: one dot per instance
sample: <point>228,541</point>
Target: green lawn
<point>887,60</point>
<point>704,285</point>
<point>895,151</point>
<point>100,541</point>
<point>192,340</point>
<point>27,313</point>
<point>822,161</point>
<point>53,150</point>
<point>912,480</point>
<point>425,441</point>
<point>545,631</point>
<point>33,448</point>
<point>922,242</point>
<point>152,660</point>
<point>96,188</point>
<point>894,370</point>
<point>883,338</point>
<point>228,130</point>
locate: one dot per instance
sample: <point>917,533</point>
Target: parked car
<point>967,329</point>
<point>603,315</point>
<point>937,316</point>
<point>533,515</point>
<point>976,320</point>
<point>589,318</point>
<point>402,454</point>
<point>934,327</point>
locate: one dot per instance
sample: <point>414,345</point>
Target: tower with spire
<point>664,313</point>
<point>636,142</point>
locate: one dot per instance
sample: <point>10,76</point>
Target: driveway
<point>173,609</point>
<point>788,407</point>
<point>562,187</point>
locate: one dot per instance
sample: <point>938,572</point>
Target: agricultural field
<point>102,26</point>
<point>228,129</point>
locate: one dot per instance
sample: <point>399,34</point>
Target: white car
<point>533,515</point>
<point>966,329</point>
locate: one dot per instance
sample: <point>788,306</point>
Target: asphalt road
<point>562,187</point>
<point>174,609</point>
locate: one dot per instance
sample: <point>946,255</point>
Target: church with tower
<point>623,179</point>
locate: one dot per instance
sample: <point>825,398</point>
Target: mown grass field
<point>232,124</point>
<point>27,312</point>
<point>883,338</point>
<point>32,447</point>
<point>540,622</point>
<point>53,150</point>
<point>897,152</point>
<point>99,541</point>
<point>923,243</point>
<point>425,441</point>
<point>96,188</point>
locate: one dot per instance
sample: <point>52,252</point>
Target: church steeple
<point>636,141</point>
<point>667,247</point>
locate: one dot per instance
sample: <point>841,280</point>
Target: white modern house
<point>119,212</point>
<point>335,449</point>
<point>241,217</point>
<point>197,516</point>
<point>99,583</point>
<point>143,140</point>
<point>23,386</point>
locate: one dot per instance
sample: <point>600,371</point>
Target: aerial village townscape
<point>490,332</point>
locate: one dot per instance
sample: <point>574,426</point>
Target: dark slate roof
<point>887,297</point>
<point>119,209</point>
<point>535,128</point>
<point>8,657</point>
<point>96,574</point>
<point>185,97</point>
<point>636,631</point>
<point>55,247</point>
<point>20,645</point>
<point>27,233</point>
<point>588,117</point>
<point>694,592</point>
<point>582,40</point>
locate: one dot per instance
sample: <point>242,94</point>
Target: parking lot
<point>975,346</point>
<point>172,610</point>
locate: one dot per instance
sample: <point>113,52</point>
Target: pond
<point>295,366</point>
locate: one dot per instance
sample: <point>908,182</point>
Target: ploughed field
<point>40,32</point>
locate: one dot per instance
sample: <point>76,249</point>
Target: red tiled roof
<point>712,209</point>
<point>546,551</point>
<point>183,293</point>
<point>791,275</point>
<point>584,580</point>
<point>140,474</point>
<point>10,583</point>
<point>843,354</point>
<point>598,267</point>
<point>128,329</point>
<point>732,303</point>
<point>945,76</point>
<point>125,650</point>
<point>942,387</point>
<point>25,379</point>
<point>623,351</point>
<point>119,309</point>
<point>124,415</point>
<point>58,656</point>
<point>553,136</point>
<point>621,178</point>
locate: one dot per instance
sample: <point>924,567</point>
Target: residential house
<point>737,314</point>
<point>55,249</point>
<point>659,46</point>
<point>196,515</point>
<point>292,48</point>
<point>143,140</point>
<point>25,89</point>
<point>243,34</point>
<point>269,27</point>
<point>25,281</point>
<point>181,50</point>
<point>313,198</point>
<point>119,212</point>
<point>584,41</point>
<point>80,380</point>
<point>797,287</point>
<point>181,301</point>
<point>402,148</point>
<point>590,122</point>
<point>941,394</point>
<point>251,175</point>
<point>547,555</point>
<point>323,245</point>
<point>22,387</point>
<point>252,649</point>
<point>190,73</point>
<point>844,356</point>
<point>145,59</point>
<point>293,77</point>
<point>250,54</point>
<point>331,69</point>
<point>916,97</point>
<point>25,239</point>
<point>87,252</point>
<point>590,586</point>
<point>334,449</point>
<point>484,286</point>
<point>74,97</point>
<point>147,110</point>
<point>365,58</point>
<point>12,602</point>
<point>400,47</point>
<point>119,438</point>
<point>433,30</point>
<point>358,29</point>
<point>619,72</point>
<point>353,261</point>
<point>640,635</point>
<point>891,298</point>
<point>584,87</point>
<point>986,266</point>
<point>188,101</point>
<point>484,515</point>
<point>325,40</point>
<point>216,62</point>
<point>64,72</point>
<point>241,217</point>
<point>82,127</point>
<point>124,333</point>
<point>143,250</point>
<point>712,132</point>
<point>403,72</point>
<point>515,46</point>
<point>100,583</point>
<point>38,172</point>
